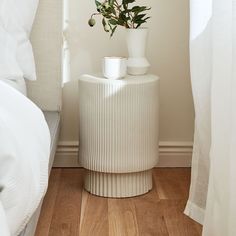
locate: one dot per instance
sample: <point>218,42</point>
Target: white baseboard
<point>171,154</point>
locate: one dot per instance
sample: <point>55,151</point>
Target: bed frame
<point>46,92</point>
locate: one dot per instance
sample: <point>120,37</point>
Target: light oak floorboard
<point>47,211</point>
<point>172,183</point>
<point>122,217</point>
<point>66,217</point>
<point>68,210</point>
<point>94,215</point>
<point>150,216</point>
<point>177,223</point>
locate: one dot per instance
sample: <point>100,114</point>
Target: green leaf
<point>108,11</point>
<point>103,22</point>
<point>111,2</point>
<point>113,22</point>
<point>113,11</point>
<point>121,22</point>
<point>139,17</point>
<point>97,3</point>
<point>125,5</point>
<point>107,27</point>
<point>138,9</point>
<point>147,18</point>
<point>139,23</point>
<point>128,1</point>
<point>113,31</point>
<point>135,9</point>
<point>107,16</point>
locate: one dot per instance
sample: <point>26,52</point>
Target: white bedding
<point>16,20</point>
<point>24,157</point>
<point>9,66</point>
<point>18,83</point>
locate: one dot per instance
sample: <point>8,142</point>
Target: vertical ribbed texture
<point>118,124</point>
<point>118,185</point>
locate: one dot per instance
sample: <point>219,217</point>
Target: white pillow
<point>8,64</point>
<point>16,17</point>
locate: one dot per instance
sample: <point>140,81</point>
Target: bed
<point>53,121</point>
<point>46,38</point>
<point>45,92</point>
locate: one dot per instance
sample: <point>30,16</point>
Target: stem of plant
<point>95,14</point>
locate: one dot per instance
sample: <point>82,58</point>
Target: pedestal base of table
<point>118,185</point>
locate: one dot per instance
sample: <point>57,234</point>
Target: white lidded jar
<point>114,67</point>
<point>137,63</point>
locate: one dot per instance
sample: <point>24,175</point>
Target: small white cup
<point>114,67</point>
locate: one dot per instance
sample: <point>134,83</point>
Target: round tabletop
<point>129,79</point>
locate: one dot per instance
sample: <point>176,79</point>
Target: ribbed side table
<point>118,123</point>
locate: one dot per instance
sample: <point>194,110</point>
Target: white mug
<point>114,67</point>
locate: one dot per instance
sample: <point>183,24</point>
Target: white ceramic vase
<point>136,42</point>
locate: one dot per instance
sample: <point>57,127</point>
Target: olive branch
<point>119,14</point>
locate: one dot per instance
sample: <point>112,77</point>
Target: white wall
<point>167,52</point>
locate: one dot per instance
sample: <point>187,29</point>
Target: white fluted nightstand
<point>118,134</point>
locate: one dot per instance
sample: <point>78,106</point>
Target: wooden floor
<point>68,210</point>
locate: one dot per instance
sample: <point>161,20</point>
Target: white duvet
<point>24,157</point>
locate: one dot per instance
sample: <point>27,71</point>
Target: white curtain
<point>212,199</point>
<point>66,75</point>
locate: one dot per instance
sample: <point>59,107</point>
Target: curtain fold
<point>66,75</point>
<point>201,76</point>
<point>213,68</point>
